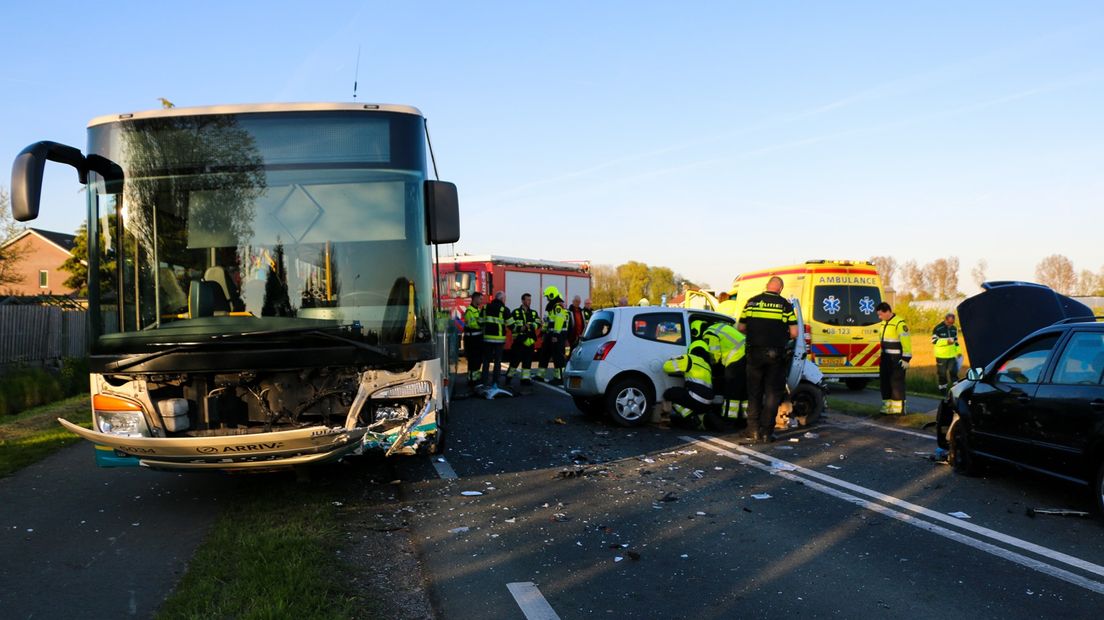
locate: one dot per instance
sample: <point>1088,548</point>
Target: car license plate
<point>575,382</point>
<point>831,361</point>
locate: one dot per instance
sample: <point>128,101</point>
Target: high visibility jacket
<point>524,323</point>
<point>767,318</point>
<point>557,321</point>
<point>945,339</point>
<point>495,316</point>
<point>726,343</point>
<point>895,337</point>
<point>730,307</point>
<point>695,371</point>
<point>473,321</point>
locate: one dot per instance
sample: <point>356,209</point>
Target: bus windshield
<point>260,222</point>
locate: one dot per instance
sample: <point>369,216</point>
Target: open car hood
<point>1004,312</point>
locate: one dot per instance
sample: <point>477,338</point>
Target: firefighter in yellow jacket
<point>691,402</point>
<point>473,340</point>
<point>896,354</point>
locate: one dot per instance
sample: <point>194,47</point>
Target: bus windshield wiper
<point>134,360</point>
<point>312,331</point>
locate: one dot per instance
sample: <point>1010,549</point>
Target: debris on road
<point>459,530</point>
<point>558,420</point>
<point>761,496</point>
<point>779,465</point>
<point>1061,512</point>
<point>669,497</point>
<point>834,467</point>
<point>811,435</point>
<point>959,515</point>
<point>471,493</point>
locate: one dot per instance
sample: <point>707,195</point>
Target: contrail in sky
<point>896,87</point>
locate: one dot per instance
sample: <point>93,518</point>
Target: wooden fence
<point>39,335</point>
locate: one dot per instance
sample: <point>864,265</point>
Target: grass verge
<point>35,434</point>
<point>911,420</point>
<point>271,554</point>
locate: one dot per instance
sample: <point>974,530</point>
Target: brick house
<point>43,252</point>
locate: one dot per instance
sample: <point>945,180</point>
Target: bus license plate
<point>831,361</point>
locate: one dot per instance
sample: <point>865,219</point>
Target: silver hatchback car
<point>617,368</point>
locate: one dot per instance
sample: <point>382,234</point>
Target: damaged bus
<point>260,292</point>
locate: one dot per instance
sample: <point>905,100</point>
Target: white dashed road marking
<point>531,601</point>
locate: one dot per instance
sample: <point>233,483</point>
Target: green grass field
<point>35,434</point>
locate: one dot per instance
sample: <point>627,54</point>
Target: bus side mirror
<point>26,190</point>
<point>442,212</point>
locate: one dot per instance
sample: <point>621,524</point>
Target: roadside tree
<point>978,272</point>
<point>9,256</point>
<point>887,268</point>
<point>941,277</point>
<point>1056,271</point>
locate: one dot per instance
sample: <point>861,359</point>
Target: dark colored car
<point>1039,404</point>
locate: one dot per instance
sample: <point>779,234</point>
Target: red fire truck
<point>460,276</point>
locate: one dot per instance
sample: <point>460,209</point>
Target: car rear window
<point>843,304</point>
<point>600,324</point>
<point>660,327</point>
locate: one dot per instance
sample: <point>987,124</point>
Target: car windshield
<point>842,304</point>
<point>600,324</point>
<point>252,223</point>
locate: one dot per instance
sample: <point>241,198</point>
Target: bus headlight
<point>117,416</point>
<point>405,390</point>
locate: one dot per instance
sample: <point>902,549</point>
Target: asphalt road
<point>78,541</point>
<point>538,511</point>
<point>575,517</point>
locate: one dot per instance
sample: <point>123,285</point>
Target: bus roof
<point>252,108</point>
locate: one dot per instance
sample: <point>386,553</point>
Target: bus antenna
<point>356,74</point>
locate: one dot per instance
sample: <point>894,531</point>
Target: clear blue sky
<point>708,137</point>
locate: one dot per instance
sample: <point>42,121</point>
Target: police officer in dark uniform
<point>769,322</point>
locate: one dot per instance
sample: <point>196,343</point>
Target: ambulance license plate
<point>831,361</point>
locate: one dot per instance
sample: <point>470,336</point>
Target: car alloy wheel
<point>629,402</point>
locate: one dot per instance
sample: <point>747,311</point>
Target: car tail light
<point>604,350</point>
<point>809,342</point>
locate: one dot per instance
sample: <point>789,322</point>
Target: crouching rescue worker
<point>524,324</point>
<point>692,402</point>
<point>896,354</point>
<point>726,349</point>
<point>473,340</point>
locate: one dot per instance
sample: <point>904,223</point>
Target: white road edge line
<point>444,469</point>
<point>1006,554</point>
<point>1057,556</point>
<point>531,601</point>
<point>552,387</point>
<point>895,430</point>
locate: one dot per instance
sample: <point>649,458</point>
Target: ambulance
<point>837,298</point>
